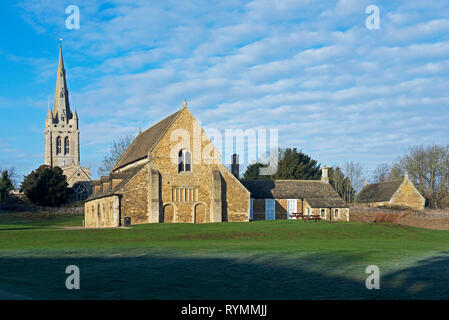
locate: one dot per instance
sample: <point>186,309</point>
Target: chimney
<point>406,176</point>
<point>235,165</point>
<point>324,175</point>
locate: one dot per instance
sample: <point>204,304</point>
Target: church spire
<point>61,109</point>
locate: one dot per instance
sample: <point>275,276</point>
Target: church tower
<point>62,146</point>
<point>61,127</point>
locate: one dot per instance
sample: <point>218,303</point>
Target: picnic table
<point>297,216</point>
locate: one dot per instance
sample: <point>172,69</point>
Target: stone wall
<point>102,212</point>
<point>408,195</point>
<point>420,219</point>
<point>236,198</point>
<point>134,201</point>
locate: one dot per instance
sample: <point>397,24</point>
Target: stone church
<point>161,179</point>
<point>62,145</point>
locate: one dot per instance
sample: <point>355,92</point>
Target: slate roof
<point>126,176</point>
<point>378,192</point>
<point>146,141</point>
<point>317,193</point>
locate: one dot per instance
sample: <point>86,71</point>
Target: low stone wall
<point>20,207</point>
<point>425,222</point>
<point>429,219</point>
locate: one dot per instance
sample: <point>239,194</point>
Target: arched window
<point>58,145</point>
<point>184,161</point>
<point>66,145</point>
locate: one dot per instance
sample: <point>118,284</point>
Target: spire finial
<point>184,105</point>
<point>140,131</point>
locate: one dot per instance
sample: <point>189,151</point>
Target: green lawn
<point>257,260</point>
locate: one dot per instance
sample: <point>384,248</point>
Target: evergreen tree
<point>297,165</point>
<point>6,185</point>
<point>341,184</point>
<point>292,164</point>
<point>253,172</point>
<point>46,186</point>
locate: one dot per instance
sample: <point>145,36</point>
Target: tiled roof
<point>126,176</point>
<point>145,142</point>
<point>317,193</point>
<point>378,192</point>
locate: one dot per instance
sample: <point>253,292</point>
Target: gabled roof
<point>128,175</point>
<point>146,141</point>
<point>317,193</point>
<point>378,192</point>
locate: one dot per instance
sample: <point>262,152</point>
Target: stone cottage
<point>392,193</point>
<point>170,173</point>
<point>278,199</point>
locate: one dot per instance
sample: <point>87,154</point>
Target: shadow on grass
<point>248,277</point>
<point>17,228</point>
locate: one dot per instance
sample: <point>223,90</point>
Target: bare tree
<point>428,169</point>
<point>118,147</point>
<point>12,175</point>
<point>355,173</point>
<point>396,173</point>
<point>381,173</point>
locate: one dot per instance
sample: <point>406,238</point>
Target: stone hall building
<point>62,145</point>
<point>166,175</point>
<point>148,186</point>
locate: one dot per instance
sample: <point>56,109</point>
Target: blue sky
<point>311,69</point>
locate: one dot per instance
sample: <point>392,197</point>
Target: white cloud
<point>309,68</point>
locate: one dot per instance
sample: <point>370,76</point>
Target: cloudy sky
<point>311,69</point>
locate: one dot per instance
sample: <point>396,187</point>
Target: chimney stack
<point>324,175</point>
<point>235,165</point>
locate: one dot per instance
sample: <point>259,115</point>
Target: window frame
<point>323,213</point>
<point>184,161</point>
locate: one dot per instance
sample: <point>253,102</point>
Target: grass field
<point>257,260</point>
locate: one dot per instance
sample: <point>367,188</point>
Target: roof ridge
<point>168,127</point>
<point>392,181</point>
